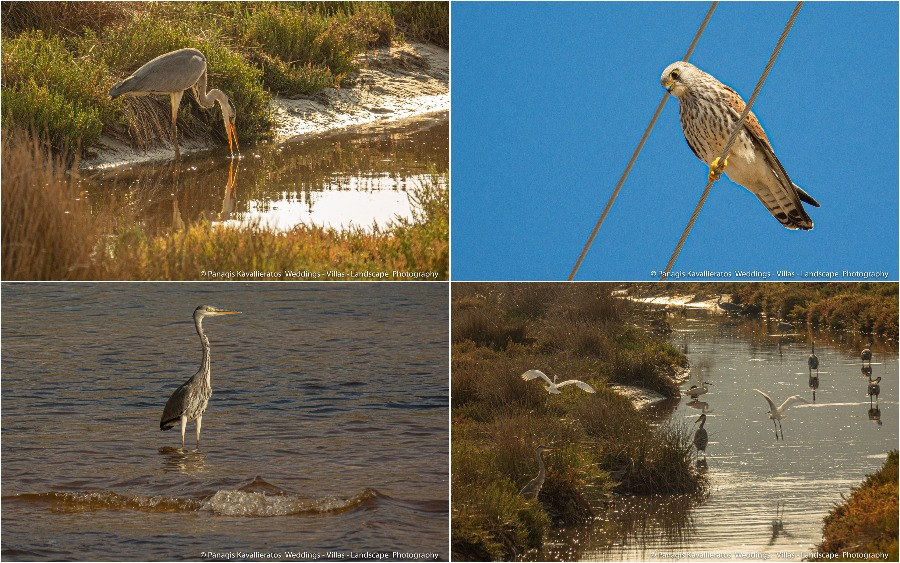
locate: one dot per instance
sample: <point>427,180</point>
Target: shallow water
<point>768,497</point>
<point>353,179</point>
<point>326,430</point>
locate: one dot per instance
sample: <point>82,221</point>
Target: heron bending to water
<point>701,437</point>
<point>697,390</point>
<point>188,402</point>
<point>172,74</point>
<point>531,490</point>
<point>874,389</point>
<point>777,413</point>
<point>553,386</point>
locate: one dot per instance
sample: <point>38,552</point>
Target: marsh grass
<point>49,234</point>
<point>867,521</point>
<point>577,331</point>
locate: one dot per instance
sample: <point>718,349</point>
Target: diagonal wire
<point>637,150</point>
<point>720,166</point>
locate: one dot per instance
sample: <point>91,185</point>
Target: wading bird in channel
<point>188,402</point>
<point>553,386</point>
<point>874,389</point>
<point>709,111</point>
<point>701,437</point>
<point>172,74</point>
<point>866,355</point>
<point>777,413</point>
<point>531,490</point>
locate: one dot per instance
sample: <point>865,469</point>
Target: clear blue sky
<point>550,99</point>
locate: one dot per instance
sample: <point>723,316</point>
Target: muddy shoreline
<point>392,84</point>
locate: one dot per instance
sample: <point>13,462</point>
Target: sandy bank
<point>393,83</point>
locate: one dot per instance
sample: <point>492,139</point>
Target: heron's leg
<point>176,101</point>
<point>183,428</point>
<point>199,422</point>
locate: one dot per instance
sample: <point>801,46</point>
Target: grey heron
<point>866,355</point>
<point>874,389</point>
<point>531,490</point>
<point>784,327</point>
<point>553,386</point>
<point>172,74</point>
<point>813,360</point>
<point>777,413</point>
<point>728,306</point>
<point>701,437</point>
<point>188,402</point>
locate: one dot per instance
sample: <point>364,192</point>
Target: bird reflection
<point>702,405</point>
<point>814,384</point>
<point>178,460</point>
<point>229,199</point>
<point>867,372</point>
<point>778,524</point>
<point>875,415</point>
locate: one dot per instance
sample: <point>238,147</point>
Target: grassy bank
<point>60,60</point>
<point>866,522</point>
<point>49,235</point>
<point>861,308</point>
<point>575,331</point>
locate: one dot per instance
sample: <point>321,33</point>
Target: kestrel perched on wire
<point>709,112</point>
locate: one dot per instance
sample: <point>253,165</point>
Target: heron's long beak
<point>232,133</point>
<point>220,312</point>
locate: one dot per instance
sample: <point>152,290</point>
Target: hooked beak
<point>232,133</point>
<point>668,85</point>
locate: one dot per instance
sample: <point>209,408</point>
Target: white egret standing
<point>188,402</point>
<point>777,413</point>
<point>553,386</point>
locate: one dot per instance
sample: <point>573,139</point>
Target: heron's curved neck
<point>208,99</point>
<point>540,462</point>
<point>204,366</point>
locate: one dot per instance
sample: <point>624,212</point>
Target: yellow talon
<point>714,172</point>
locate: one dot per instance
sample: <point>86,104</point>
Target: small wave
<point>225,503</point>
<point>252,504</point>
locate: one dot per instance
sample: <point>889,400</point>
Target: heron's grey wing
<point>768,400</point>
<point>790,401</point>
<point>172,72</point>
<point>175,407</point>
<point>534,373</point>
<point>784,202</point>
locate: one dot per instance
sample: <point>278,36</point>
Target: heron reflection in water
<point>188,402</point>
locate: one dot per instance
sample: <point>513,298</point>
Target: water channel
<point>767,497</point>
<point>356,178</point>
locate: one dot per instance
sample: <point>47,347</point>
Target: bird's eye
<point>675,74</point>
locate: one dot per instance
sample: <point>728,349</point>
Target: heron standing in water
<point>531,490</point>
<point>188,402</point>
<point>866,355</point>
<point>172,74</point>
<point>874,389</point>
<point>701,437</point>
<point>813,363</point>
